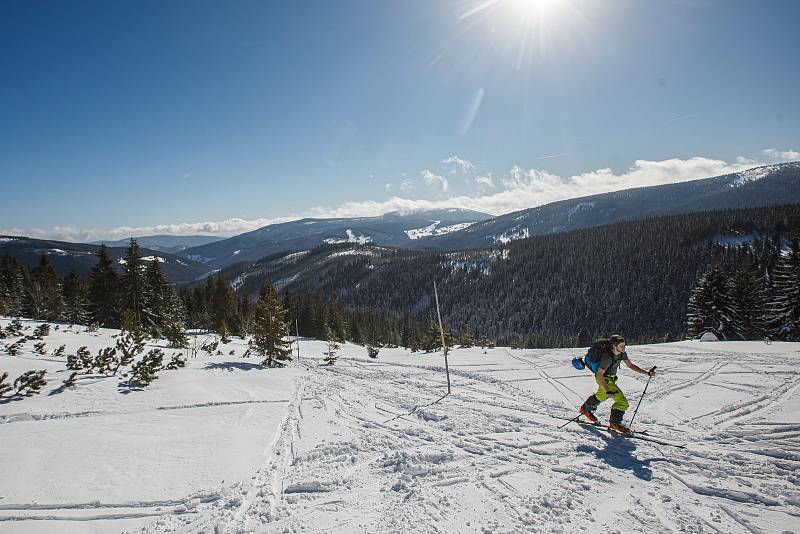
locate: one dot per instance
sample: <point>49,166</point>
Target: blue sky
<point>218,117</point>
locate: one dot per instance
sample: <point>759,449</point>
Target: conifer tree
<point>709,305</point>
<point>270,328</point>
<point>748,296</point>
<point>584,337</point>
<point>224,305</point>
<point>43,291</point>
<point>75,299</point>
<point>134,290</point>
<point>333,347</point>
<point>104,292</point>
<point>785,312</point>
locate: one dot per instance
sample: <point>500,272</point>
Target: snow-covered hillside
<point>225,445</point>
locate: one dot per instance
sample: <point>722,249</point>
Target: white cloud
<point>227,227</point>
<point>485,181</point>
<point>781,155</point>
<point>522,188</point>
<point>431,177</point>
<point>456,164</point>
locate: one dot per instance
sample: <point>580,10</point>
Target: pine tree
<point>785,312</point>
<point>43,291</point>
<point>584,337</point>
<point>104,292</point>
<point>134,290</point>
<point>270,328</point>
<point>748,296</point>
<point>224,305</point>
<point>75,299</point>
<point>709,305</point>
<point>333,347</point>
<point>12,287</point>
<point>163,313</point>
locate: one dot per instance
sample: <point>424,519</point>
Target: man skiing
<point>604,358</point>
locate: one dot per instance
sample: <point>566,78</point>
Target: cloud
<point>456,164</point>
<point>781,155</point>
<point>485,180</point>
<point>431,177</point>
<point>226,227</point>
<point>521,188</point>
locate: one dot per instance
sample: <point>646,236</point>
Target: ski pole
<point>571,420</point>
<point>640,398</point>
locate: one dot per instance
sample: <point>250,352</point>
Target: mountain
<point>165,243</point>
<point>393,229</point>
<point>83,257</point>
<point>761,186</point>
<point>632,277</point>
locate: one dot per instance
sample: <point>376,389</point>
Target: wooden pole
<point>441,331</point>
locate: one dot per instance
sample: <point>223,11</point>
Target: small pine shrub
<point>71,380</point>
<point>146,369</point>
<point>106,361</point>
<point>130,344</point>
<point>41,331</point>
<point>39,348</point>
<point>15,328</point>
<point>5,387</point>
<point>29,383</point>
<point>175,363</point>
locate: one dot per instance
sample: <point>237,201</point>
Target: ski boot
<point>615,423</point>
<point>586,411</point>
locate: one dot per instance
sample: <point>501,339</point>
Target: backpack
<point>593,355</point>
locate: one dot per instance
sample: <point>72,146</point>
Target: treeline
<point>755,297</point>
<point>215,307</point>
<point>139,298</point>
<point>633,278</point>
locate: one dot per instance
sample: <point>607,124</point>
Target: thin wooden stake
<point>297,338</point>
<point>441,331</point>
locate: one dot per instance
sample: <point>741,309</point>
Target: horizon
<point>205,119</point>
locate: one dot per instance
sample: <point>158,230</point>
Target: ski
<point>641,435</point>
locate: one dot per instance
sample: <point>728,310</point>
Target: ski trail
<point>267,482</point>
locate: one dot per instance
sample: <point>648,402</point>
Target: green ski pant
<point>620,402</point>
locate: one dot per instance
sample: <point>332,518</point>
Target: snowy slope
<point>371,446</point>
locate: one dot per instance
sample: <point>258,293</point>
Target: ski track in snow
<point>421,452</point>
<point>376,446</point>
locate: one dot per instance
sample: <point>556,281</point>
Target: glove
<point>651,372</point>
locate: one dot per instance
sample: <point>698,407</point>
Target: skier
<point>604,358</point>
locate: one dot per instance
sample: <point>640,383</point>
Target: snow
<point>512,235</point>
<point>427,231</point>
<point>351,238</point>
<point>708,336</point>
<point>123,261</point>
<point>237,252</point>
<point>226,445</point>
<point>753,175</point>
<point>577,208</point>
<point>199,257</point>
<point>432,230</point>
<point>206,275</point>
